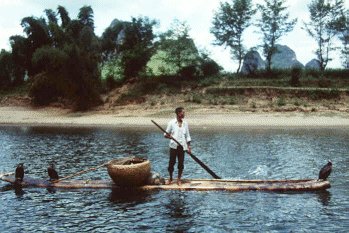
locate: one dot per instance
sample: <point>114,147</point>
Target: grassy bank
<point>234,92</point>
<point>315,91</point>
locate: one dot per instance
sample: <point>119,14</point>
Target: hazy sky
<point>197,13</point>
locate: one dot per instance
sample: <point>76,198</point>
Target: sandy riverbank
<point>140,117</point>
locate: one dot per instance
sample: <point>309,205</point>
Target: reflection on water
<point>129,196</point>
<point>235,154</point>
<point>6,188</point>
<point>19,191</point>
<point>324,197</point>
<point>180,218</point>
<point>51,190</point>
<point>177,206</point>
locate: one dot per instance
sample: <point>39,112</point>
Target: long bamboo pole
<point>81,172</point>
<point>120,161</point>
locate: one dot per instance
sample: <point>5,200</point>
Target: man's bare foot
<point>169,181</point>
<point>179,182</point>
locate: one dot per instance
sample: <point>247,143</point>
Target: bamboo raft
<point>187,184</point>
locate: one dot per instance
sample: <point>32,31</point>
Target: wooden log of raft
<point>187,185</point>
<point>129,172</point>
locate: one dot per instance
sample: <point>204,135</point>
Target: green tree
<point>73,30</point>
<point>21,57</point>
<point>65,19</point>
<point>51,16</point>
<point>274,23</point>
<point>137,47</point>
<point>208,66</point>
<point>85,16</point>
<point>83,76</point>
<point>229,23</point>
<point>56,32</point>
<point>62,60</point>
<point>6,69</point>
<point>344,37</point>
<point>111,38</point>
<point>49,59</point>
<point>327,20</point>
<point>66,64</point>
<point>37,32</point>
<point>129,44</point>
<point>176,51</point>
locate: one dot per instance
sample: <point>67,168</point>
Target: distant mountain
<point>285,58</point>
<point>252,62</point>
<point>313,64</point>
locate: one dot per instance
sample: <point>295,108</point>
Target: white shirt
<point>181,134</point>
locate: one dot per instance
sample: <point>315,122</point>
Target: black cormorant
<point>52,172</point>
<point>19,175</point>
<point>325,171</point>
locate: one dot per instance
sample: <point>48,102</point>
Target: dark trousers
<point>176,153</point>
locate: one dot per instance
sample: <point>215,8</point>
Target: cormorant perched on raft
<point>19,174</point>
<point>52,172</point>
<point>325,171</point>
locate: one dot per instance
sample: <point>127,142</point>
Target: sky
<point>198,14</point>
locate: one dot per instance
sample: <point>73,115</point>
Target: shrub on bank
<point>44,90</point>
<point>296,74</point>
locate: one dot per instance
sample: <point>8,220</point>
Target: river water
<point>231,153</point>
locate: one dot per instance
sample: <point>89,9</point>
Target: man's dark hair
<point>178,110</point>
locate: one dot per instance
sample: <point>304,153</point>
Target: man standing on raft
<point>178,129</point>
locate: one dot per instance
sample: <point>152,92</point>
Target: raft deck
<point>187,184</point>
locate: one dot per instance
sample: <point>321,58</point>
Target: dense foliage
<point>129,51</point>
<point>127,46</point>
<point>176,53</point>
<point>62,59</point>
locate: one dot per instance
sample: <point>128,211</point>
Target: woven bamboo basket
<point>129,172</point>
